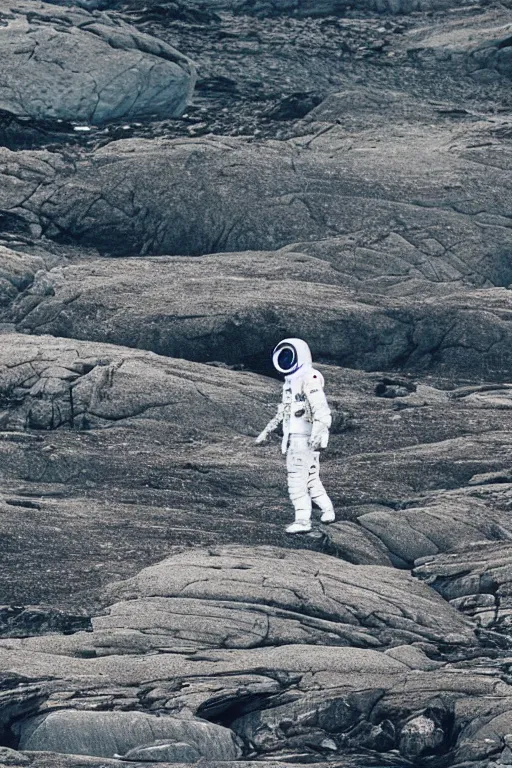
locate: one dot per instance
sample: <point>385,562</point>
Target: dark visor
<point>286,358</point>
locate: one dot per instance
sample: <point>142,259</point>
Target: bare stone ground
<point>341,174</point>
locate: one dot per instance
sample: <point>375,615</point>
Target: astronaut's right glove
<point>319,436</point>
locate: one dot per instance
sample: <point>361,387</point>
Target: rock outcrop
<point>246,301</point>
<point>400,536</point>
<point>481,47</point>
<point>175,438</point>
<point>476,580</point>
<point>308,7</point>
<point>47,383</point>
<point>116,198</point>
<point>269,597</point>
<point>72,65</point>
<point>275,697</point>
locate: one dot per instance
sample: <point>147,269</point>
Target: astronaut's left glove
<point>319,436</point>
<point>263,436</point>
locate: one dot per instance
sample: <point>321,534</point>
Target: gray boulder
<point>420,736</point>
<point>335,593</point>
<point>106,734</point>
<point>73,65</point>
<point>241,597</point>
<point>443,523</point>
<point>17,273</point>
<point>348,540</point>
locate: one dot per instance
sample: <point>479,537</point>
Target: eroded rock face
<point>337,593</point>
<point>72,65</point>
<point>481,47</point>
<point>476,580</point>
<point>321,8</point>
<point>176,440</point>
<point>448,521</point>
<point>244,598</point>
<point>365,248</point>
<point>53,383</point>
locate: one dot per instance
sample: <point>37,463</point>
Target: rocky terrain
<point>183,184</point>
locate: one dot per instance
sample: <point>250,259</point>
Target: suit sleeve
<point>272,425</point>
<point>313,388</point>
<point>275,422</point>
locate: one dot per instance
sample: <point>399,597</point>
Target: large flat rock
<point>229,195</point>
<point>236,597</point>
<point>244,597</point>
<point>245,302</point>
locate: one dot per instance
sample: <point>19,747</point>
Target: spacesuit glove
<point>319,436</point>
<point>262,437</point>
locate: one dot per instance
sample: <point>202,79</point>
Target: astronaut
<point>306,419</point>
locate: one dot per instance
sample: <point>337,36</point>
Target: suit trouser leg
<point>316,489</point>
<point>298,460</point>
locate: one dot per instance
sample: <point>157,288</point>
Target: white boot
<point>299,526</point>
<point>323,501</point>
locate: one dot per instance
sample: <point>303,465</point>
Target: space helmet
<point>290,355</point>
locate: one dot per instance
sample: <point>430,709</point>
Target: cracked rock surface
<point>94,733</point>
<point>286,648</point>
<point>354,696</point>
<point>75,66</point>
<point>324,186</point>
<point>454,329</point>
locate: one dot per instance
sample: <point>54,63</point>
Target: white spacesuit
<point>306,419</point>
